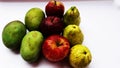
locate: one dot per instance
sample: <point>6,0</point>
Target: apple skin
<point>55,48</point>
<point>51,25</point>
<point>55,8</point>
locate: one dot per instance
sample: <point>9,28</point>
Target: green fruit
<point>73,34</point>
<point>72,16</point>
<point>31,45</point>
<point>33,18</point>
<point>80,56</point>
<point>13,33</point>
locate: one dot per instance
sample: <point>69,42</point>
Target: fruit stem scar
<point>73,8</point>
<point>85,52</point>
<point>58,43</point>
<point>74,27</point>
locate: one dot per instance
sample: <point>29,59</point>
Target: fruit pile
<point>54,34</point>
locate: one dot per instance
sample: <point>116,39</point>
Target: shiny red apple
<point>51,25</point>
<point>55,8</point>
<point>55,48</point>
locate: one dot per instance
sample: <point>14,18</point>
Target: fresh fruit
<point>55,48</point>
<point>51,25</point>
<point>31,46</point>
<point>33,18</point>
<point>51,36</point>
<point>55,8</point>
<point>80,56</point>
<point>72,16</point>
<point>74,34</point>
<point>13,33</point>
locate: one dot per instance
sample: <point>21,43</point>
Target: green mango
<point>31,46</point>
<point>33,18</point>
<point>13,34</point>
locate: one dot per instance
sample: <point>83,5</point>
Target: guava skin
<point>80,56</point>
<point>72,16</point>
<point>74,34</point>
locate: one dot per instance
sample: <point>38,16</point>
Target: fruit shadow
<point>43,62</point>
<point>65,63</point>
<point>36,63</point>
<point>89,66</point>
<point>60,64</point>
<point>16,51</point>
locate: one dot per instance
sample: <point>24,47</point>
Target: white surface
<point>117,2</point>
<point>100,25</point>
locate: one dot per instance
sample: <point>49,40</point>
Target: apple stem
<point>55,2</point>
<point>52,19</point>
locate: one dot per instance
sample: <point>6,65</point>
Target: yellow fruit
<point>74,34</point>
<point>80,56</point>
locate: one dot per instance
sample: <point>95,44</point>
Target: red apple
<point>55,48</point>
<point>54,8</point>
<point>51,25</point>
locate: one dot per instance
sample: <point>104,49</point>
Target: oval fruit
<point>13,33</point>
<point>33,18</point>
<point>31,45</point>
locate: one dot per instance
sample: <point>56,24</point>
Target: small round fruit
<point>51,25</point>
<point>13,33</point>
<point>55,8</point>
<point>80,56</point>
<point>74,34</point>
<point>31,45</point>
<point>33,18</point>
<point>55,48</point>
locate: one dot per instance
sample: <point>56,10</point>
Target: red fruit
<point>55,48</point>
<point>51,25</point>
<point>54,8</point>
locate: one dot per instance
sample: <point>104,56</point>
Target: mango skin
<point>33,18</point>
<point>31,46</point>
<point>13,33</point>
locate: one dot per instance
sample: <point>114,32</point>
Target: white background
<point>100,23</point>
